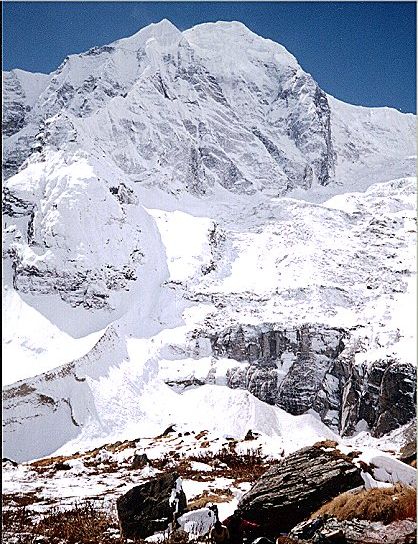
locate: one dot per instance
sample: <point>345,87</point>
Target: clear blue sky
<point>360,52</point>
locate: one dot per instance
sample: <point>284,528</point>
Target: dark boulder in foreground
<point>289,492</point>
<point>150,507</point>
<point>333,531</point>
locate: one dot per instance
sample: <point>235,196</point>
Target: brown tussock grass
<point>84,524</point>
<point>21,499</point>
<point>217,496</point>
<point>386,504</point>
<point>226,463</point>
<point>326,444</point>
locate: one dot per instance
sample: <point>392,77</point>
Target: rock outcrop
<point>289,492</point>
<point>333,531</point>
<point>149,508</point>
<point>408,452</point>
<point>382,395</point>
<point>286,367</point>
<point>308,368</point>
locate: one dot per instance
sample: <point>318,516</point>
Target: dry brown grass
<point>326,444</point>
<point>84,524</point>
<point>215,496</point>
<point>226,463</point>
<point>387,504</point>
<point>21,499</point>
<point>41,465</point>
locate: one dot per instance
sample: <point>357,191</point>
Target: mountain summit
<point>216,105</point>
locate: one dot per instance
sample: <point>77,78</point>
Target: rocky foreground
<point>327,492</point>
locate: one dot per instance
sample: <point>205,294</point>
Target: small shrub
<point>177,537</point>
<point>227,463</point>
<point>17,521</point>
<point>385,504</point>
<point>21,499</point>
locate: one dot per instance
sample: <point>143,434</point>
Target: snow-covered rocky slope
<point>184,244</point>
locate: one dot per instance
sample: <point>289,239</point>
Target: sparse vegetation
<point>21,499</point>
<point>227,463</point>
<point>214,496</point>
<point>386,504</point>
<point>84,524</point>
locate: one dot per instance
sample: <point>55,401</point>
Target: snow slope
<point>259,276</point>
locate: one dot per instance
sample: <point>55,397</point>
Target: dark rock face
<point>397,397</point>
<point>289,492</point>
<point>150,507</point>
<point>15,112</point>
<point>326,164</point>
<point>14,206</point>
<point>318,120</point>
<point>333,531</point>
<point>14,157</point>
<point>309,368</point>
<point>409,449</point>
<point>382,395</point>
<point>287,367</point>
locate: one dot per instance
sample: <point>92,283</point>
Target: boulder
<point>62,466</point>
<point>292,490</point>
<point>333,531</point>
<point>150,507</point>
<point>408,453</point>
<point>140,460</point>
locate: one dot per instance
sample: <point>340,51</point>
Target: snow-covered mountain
<point>182,218</point>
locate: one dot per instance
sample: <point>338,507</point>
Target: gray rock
<point>289,492</point>
<point>140,460</point>
<point>397,397</point>
<point>151,507</point>
<point>382,395</point>
<point>332,531</point>
<point>310,367</point>
<point>287,367</point>
<point>409,449</point>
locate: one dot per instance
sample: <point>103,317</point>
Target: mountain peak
<point>163,32</point>
<point>240,40</point>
